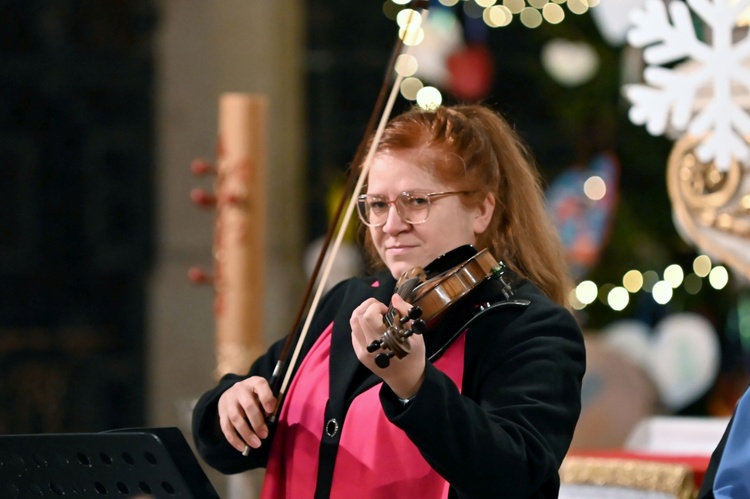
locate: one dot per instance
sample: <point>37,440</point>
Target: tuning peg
<point>374,346</point>
<point>418,327</point>
<point>383,360</point>
<point>201,167</point>
<point>201,197</point>
<point>199,276</point>
<point>414,313</point>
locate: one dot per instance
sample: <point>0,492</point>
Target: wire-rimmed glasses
<point>412,206</point>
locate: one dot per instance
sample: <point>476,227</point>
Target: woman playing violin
<point>486,401</point>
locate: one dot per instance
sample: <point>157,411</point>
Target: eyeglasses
<point>412,207</point>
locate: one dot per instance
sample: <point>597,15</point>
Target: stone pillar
<point>205,49</point>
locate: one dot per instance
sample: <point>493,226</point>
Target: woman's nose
<point>393,221</point>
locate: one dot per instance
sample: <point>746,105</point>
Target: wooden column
<point>240,232</point>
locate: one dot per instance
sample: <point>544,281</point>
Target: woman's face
<point>403,246</point>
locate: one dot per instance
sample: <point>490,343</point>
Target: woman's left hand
<point>405,375</point>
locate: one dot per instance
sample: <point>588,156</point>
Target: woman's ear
<point>483,214</point>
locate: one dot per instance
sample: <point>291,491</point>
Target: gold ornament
<point>711,207</point>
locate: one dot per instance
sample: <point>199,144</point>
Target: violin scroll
<point>396,338</point>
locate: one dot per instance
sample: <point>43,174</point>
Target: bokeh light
<point>406,65</point>
<point>574,301</point>
<point>649,279</point>
<point>693,284</point>
<point>594,188</point>
<point>553,13</point>
<point>410,87</point>
<point>662,292</point>
<point>718,277</point>
<point>586,292</point>
<point>632,281</point>
<point>429,98</point>
<point>497,16</point>
<point>515,6</point>
<point>618,298</point>
<point>702,265</point>
<point>578,6</point>
<point>531,18</point>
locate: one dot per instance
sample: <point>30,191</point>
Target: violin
<point>431,291</point>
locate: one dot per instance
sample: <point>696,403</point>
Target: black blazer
<point>504,435</point>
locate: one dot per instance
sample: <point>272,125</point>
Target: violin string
<point>395,88</point>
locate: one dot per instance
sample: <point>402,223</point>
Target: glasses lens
<point>373,210</point>
<point>413,207</point>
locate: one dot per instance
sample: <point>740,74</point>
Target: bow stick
<point>288,366</point>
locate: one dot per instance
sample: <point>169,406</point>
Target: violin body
<point>431,291</point>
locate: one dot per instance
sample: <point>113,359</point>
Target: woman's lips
<point>398,250</point>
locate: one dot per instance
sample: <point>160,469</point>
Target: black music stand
<point>133,463</point>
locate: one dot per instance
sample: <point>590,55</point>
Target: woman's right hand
<point>242,412</point>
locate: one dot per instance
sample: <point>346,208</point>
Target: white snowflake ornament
<point>670,97</point>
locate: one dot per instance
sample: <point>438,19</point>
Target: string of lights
<point>661,287</point>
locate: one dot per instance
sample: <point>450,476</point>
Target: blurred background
<point>105,104</point>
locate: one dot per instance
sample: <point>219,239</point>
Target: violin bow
<point>286,366</point>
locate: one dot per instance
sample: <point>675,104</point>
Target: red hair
<point>473,148</point>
